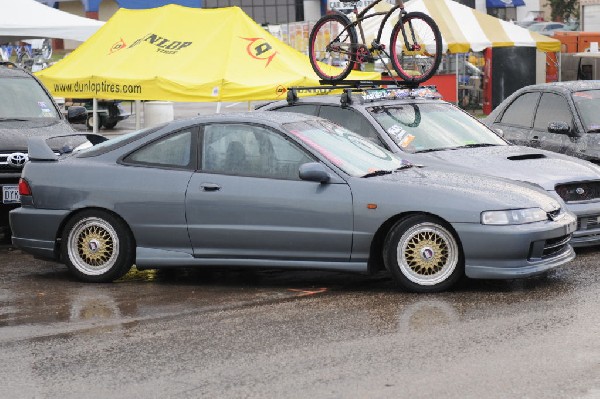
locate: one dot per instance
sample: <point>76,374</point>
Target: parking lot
<point>271,334</point>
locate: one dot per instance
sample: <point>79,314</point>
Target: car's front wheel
<point>97,246</point>
<point>423,254</point>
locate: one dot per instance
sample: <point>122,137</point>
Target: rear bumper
<point>36,230</point>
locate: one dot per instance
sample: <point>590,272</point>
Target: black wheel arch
<point>375,262</point>
<point>75,213</point>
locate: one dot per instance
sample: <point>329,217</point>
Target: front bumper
<point>36,230</point>
<point>588,223</point>
<point>501,252</point>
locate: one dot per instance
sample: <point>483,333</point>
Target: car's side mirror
<point>77,114</point>
<point>560,128</point>
<point>314,171</point>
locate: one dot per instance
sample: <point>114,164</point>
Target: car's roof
<point>8,69</point>
<point>259,117</point>
<point>567,87</point>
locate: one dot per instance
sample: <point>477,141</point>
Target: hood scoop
<point>524,157</point>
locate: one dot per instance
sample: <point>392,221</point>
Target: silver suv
<point>423,129</point>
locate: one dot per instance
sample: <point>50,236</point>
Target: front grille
<point>548,248</point>
<point>4,165</point>
<point>588,222</point>
<point>582,191</point>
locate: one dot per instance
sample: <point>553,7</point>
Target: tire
<point>89,123</point>
<point>332,64</point>
<point>97,247</point>
<point>417,65</point>
<point>423,254</point>
<point>110,125</point>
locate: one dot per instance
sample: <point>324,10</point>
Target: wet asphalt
<point>190,333</point>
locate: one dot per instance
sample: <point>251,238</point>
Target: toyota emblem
<point>16,159</point>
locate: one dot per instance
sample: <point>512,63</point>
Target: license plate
<point>10,195</point>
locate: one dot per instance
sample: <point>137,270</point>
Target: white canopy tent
<point>28,19</point>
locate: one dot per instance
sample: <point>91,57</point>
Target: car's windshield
<point>432,126</point>
<point>588,103</point>
<point>352,153</point>
<point>24,98</point>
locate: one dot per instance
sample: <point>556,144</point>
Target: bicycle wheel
<point>416,47</point>
<point>330,47</point>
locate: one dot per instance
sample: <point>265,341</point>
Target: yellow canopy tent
<point>177,53</point>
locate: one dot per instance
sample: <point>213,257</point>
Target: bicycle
<point>415,45</point>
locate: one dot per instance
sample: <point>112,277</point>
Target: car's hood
<point>543,168</point>
<point>451,195</point>
<point>14,134</point>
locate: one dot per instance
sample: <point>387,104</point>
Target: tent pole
<point>560,66</point>
<point>95,115</point>
<point>456,62</point>
<point>138,117</point>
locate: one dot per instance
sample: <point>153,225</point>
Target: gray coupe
<point>266,189</point>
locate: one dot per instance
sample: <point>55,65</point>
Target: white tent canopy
<point>28,19</point>
<point>464,28</point>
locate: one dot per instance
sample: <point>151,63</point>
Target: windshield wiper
<point>476,145</point>
<point>13,119</point>
<point>378,173</point>
<point>387,172</point>
<point>434,149</point>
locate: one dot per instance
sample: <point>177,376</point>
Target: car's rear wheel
<point>423,254</point>
<point>97,246</point>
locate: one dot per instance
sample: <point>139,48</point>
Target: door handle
<point>210,187</point>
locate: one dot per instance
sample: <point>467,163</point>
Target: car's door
<point>516,122</point>
<point>552,107</point>
<point>247,201</point>
<point>152,190</point>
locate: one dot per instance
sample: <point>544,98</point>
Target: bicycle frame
<point>363,16</point>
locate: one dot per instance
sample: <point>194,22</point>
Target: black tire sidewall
<point>341,18</point>
<point>125,258</point>
<point>438,44</point>
<point>391,260</point>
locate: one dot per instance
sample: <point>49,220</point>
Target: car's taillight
<point>24,188</point>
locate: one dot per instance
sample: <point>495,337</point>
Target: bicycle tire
<point>321,59</point>
<point>421,64</point>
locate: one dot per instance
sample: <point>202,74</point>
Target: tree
<point>562,10</point>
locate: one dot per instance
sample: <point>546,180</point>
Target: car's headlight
<point>513,216</point>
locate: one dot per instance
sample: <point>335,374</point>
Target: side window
<point>352,121</point>
<point>174,151</point>
<point>248,150</point>
<point>520,112</point>
<point>552,108</point>
<point>306,109</point>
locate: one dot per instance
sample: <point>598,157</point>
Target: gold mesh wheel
<point>93,246</point>
<point>427,253</point>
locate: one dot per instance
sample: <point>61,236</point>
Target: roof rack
<point>371,90</point>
